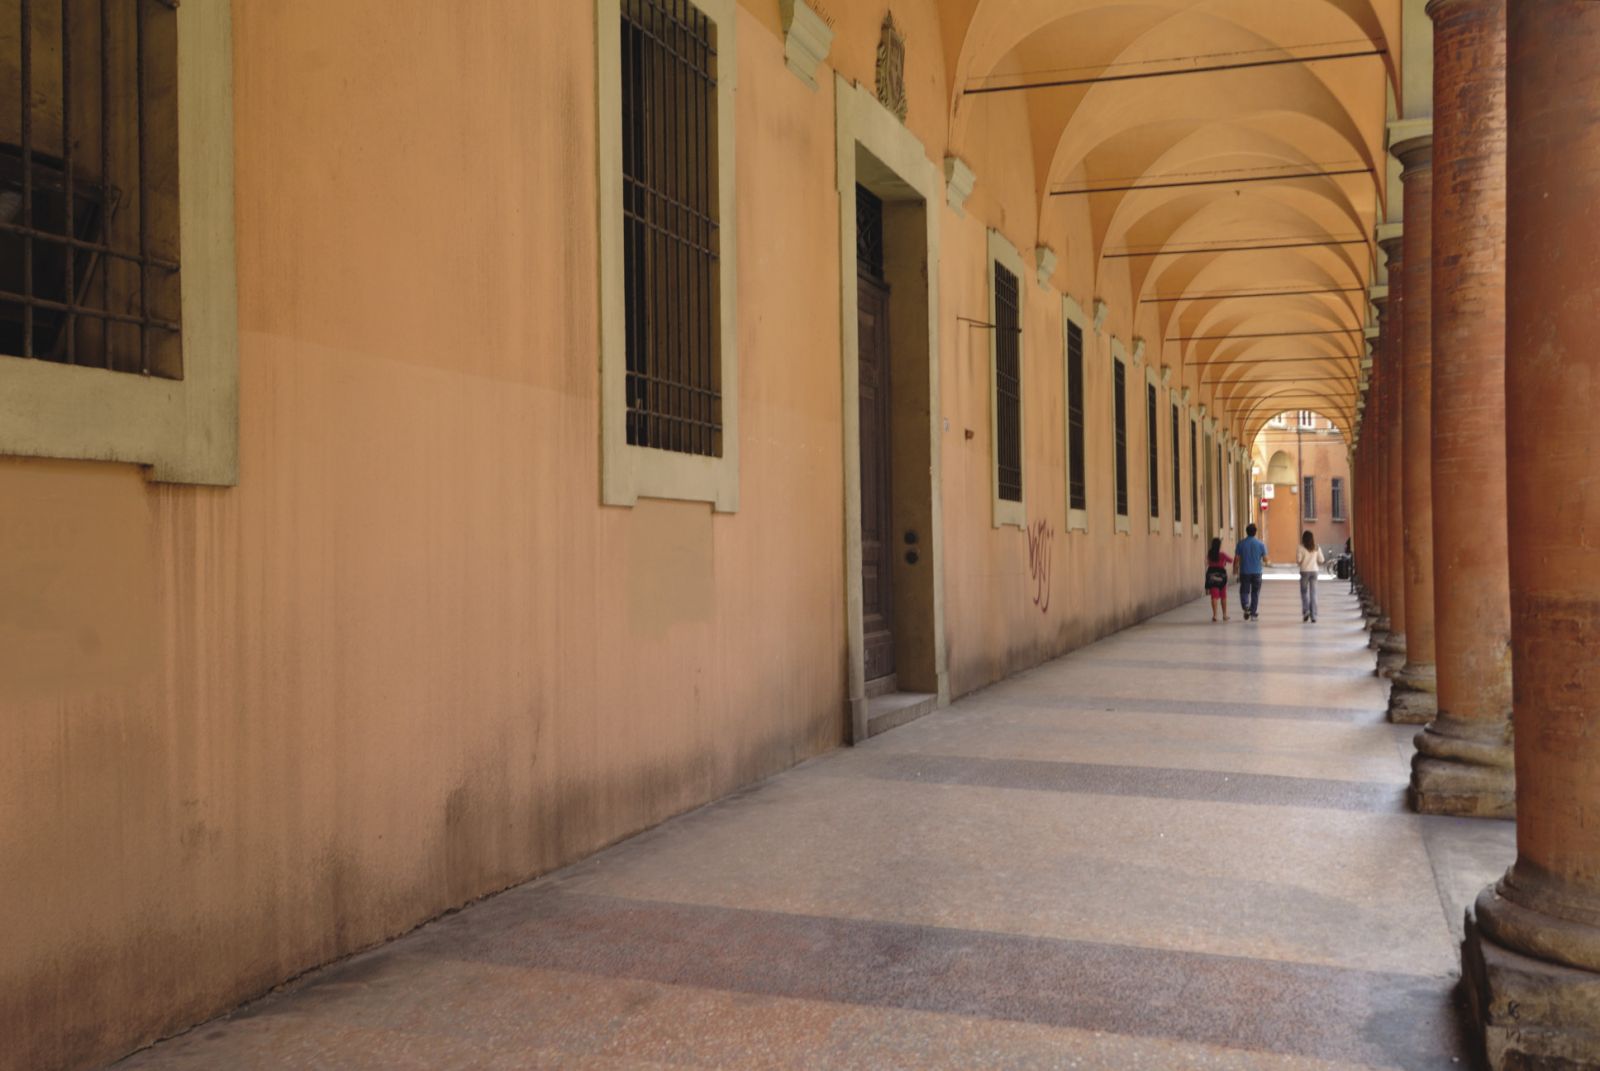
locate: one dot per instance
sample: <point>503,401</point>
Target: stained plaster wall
<point>409,660</point>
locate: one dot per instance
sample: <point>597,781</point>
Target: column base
<point>1414,695</point>
<point>1380,629</point>
<point>1464,769</point>
<point>1528,1013</point>
<point>1391,654</point>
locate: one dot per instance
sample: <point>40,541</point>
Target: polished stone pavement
<point>1185,846</point>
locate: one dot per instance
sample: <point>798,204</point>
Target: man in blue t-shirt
<point>1249,559</point>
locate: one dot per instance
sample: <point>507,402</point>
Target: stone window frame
<point>1308,497</point>
<point>627,472</point>
<point>1072,313</point>
<point>1336,506</point>
<point>1004,511</point>
<point>1119,354</point>
<point>182,430</point>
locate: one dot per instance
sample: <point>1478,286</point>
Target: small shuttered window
<point>671,240</point>
<point>1077,483</point>
<point>1008,384</point>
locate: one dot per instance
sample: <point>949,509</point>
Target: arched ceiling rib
<point>1296,119</point>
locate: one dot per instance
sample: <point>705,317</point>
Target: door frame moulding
<point>862,123</point>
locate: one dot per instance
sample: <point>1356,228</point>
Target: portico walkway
<point>1185,846</point>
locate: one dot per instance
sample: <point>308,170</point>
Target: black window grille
<point>1008,383</point>
<point>1177,468</point>
<point>1154,447</point>
<point>1194,471</point>
<point>670,227</point>
<point>869,232</point>
<point>1077,482</point>
<point>1336,498</point>
<point>1308,498</point>
<point>1119,399</point>
<point>88,186</point>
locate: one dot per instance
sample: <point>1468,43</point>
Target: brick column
<point>1375,444</point>
<point>1532,957</point>
<point>1392,646</point>
<point>1412,697</point>
<point>1463,761</point>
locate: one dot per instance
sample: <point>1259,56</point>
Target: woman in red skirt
<point>1217,564</point>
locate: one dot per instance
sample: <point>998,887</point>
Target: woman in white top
<point>1309,557</point>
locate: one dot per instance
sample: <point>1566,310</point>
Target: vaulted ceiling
<point>1244,318</point>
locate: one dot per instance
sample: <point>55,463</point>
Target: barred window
<point>1336,496</point>
<point>1308,498</point>
<point>89,186</point>
<point>1154,448</point>
<point>671,240</point>
<point>1119,400</point>
<point>1008,383</point>
<point>1077,482</point>
<point>1177,469</point>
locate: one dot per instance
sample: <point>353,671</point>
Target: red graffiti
<point>1041,540</point>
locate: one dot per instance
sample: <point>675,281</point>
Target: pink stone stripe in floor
<point>1184,846</point>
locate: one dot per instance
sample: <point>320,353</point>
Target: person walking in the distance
<point>1309,557</point>
<point>1217,578</point>
<point>1249,560</point>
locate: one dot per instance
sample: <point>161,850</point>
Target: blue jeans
<point>1308,595</point>
<point>1250,592</point>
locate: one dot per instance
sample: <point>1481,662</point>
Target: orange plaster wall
<point>410,660</point>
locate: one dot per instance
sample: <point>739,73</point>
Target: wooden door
<point>877,538</point>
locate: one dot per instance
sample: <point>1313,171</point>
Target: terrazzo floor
<point>1185,846</point>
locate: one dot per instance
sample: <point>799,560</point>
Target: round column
<point>1392,648</point>
<point>1463,761</point>
<point>1532,959</point>
<point>1412,698</point>
<point>1377,444</point>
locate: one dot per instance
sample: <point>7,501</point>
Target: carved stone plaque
<point>892,69</point>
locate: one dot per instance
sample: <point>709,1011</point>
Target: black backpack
<point>1216,577</point>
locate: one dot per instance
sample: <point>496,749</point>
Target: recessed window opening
<point>1153,446</point>
<point>1077,481</point>
<point>89,269</point>
<point>1308,498</point>
<point>1008,383</point>
<point>1336,497</point>
<point>1194,472</point>
<point>1119,400</point>
<point>1177,469</point>
<point>671,234</point>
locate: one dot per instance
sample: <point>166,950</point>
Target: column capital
<point>1415,155</point>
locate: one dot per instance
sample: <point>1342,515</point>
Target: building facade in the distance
<point>1301,472</point>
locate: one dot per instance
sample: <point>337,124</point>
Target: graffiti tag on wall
<point>1041,540</point>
